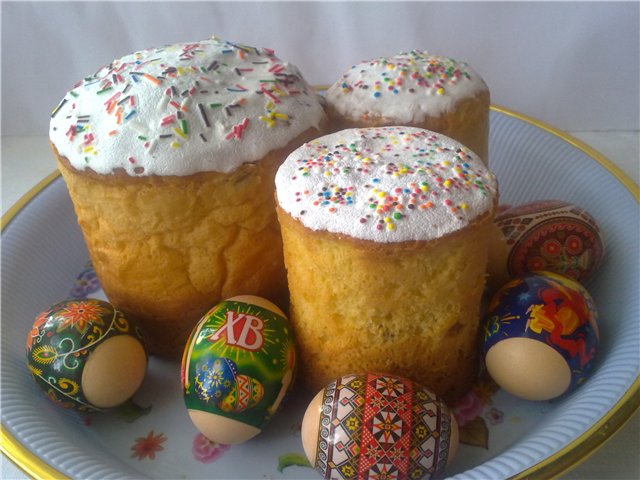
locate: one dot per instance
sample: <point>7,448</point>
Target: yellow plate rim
<point>560,462</point>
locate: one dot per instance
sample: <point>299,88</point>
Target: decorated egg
<point>541,336</point>
<point>553,236</point>
<point>86,355</point>
<point>237,367</point>
<point>378,426</point>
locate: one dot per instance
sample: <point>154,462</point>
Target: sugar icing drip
<point>387,184</point>
<point>182,109</point>
<point>404,88</point>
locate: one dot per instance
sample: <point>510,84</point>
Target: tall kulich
<point>416,89</point>
<point>386,234</point>
<point>169,156</point>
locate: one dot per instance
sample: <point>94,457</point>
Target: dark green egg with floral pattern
<point>86,355</point>
<point>238,365</point>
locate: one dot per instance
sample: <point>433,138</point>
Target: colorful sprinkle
<point>413,177</point>
<point>209,91</point>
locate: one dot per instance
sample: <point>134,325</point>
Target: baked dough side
<point>411,308</point>
<point>167,249</point>
<point>467,122</point>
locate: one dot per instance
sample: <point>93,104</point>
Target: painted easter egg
<point>86,355</point>
<point>553,236</point>
<point>237,367</point>
<point>541,336</point>
<point>378,426</point>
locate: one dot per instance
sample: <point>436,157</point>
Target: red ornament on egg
<point>551,235</point>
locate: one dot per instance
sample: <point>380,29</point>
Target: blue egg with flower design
<point>86,355</point>
<point>215,378</point>
<point>541,336</point>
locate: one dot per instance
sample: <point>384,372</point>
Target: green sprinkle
<point>104,90</point>
<point>185,128</point>
<point>215,105</point>
<point>73,94</point>
<point>397,215</point>
<point>142,137</point>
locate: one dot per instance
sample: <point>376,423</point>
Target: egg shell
<point>553,236</point>
<point>368,425</point>
<point>541,336</point>
<point>86,355</point>
<point>237,367</point>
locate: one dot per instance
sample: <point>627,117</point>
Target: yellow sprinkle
<point>446,163</point>
<point>268,121</point>
<point>180,71</point>
<point>327,174</point>
<point>387,220</point>
<point>464,206</point>
<point>382,195</point>
<point>424,188</point>
<point>180,133</point>
<point>176,144</point>
<point>282,116</point>
<point>270,105</point>
<point>447,183</point>
<point>87,149</point>
<point>391,226</point>
<point>440,91</point>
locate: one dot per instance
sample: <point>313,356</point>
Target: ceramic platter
<point>44,260</point>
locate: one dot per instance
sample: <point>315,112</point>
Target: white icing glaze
<point>386,184</point>
<point>183,109</point>
<point>407,87</point>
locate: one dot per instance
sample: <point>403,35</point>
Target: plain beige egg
<point>222,429</point>
<point>528,368</point>
<point>114,371</point>
<point>311,427</point>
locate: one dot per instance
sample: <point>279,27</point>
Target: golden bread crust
<point>410,308</point>
<point>467,122</point>
<point>167,249</point>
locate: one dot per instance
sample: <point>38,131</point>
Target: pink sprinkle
<point>237,130</point>
<point>167,120</point>
<point>71,133</point>
<point>113,97</point>
<point>269,94</point>
<point>132,160</point>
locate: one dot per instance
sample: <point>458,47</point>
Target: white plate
<point>44,254</point>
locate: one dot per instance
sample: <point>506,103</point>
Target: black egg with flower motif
<point>86,355</point>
